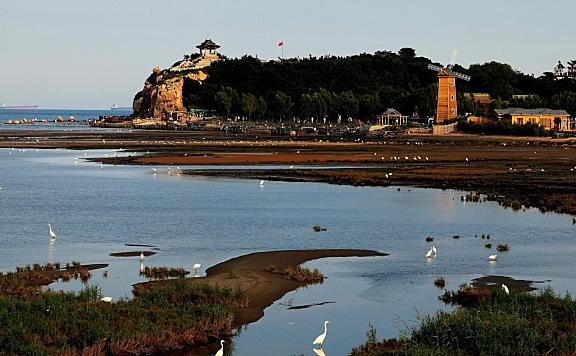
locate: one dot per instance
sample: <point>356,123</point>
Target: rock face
<point>162,92</point>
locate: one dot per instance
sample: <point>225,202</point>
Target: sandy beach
<point>260,276</point>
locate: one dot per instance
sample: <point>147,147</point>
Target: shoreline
<point>252,273</point>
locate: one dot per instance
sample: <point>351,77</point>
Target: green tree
<point>282,104</point>
<point>565,100</point>
<point>225,99</point>
<point>306,106</point>
<point>249,104</point>
<point>262,107</point>
<point>348,103</point>
<point>369,105</point>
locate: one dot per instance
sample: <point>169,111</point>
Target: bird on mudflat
<point>505,289</point>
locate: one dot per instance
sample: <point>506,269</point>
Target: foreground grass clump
<point>440,282</point>
<point>305,275</point>
<point>499,324</point>
<point>502,248</point>
<point>164,272</point>
<point>158,319</point>
<point>319,228</point>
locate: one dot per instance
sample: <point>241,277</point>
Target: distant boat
<point>19,107</point>
<point>116,107</point>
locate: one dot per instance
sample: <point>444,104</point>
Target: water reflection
<point>319,352</point>
<point>51,251</point>
<point>214,219</point>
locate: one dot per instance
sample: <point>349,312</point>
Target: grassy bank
<point>156,320</point>
<point>494,324</point>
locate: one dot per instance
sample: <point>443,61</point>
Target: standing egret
<point>221,351</point>
<point>261,182</point>
<point>141,256</point>
<point>493,257</point>
<point>52,234</point>
<point>320,338</point>
<point>196,267</point>
<point>106,299</point>
<point>505,289</point>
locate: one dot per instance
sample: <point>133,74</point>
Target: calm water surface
<point>209,220</point>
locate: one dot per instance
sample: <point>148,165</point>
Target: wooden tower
<point>447,105</point>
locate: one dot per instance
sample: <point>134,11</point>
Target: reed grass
<point>517,324</point>
<point>157,320</point>
<point>305,275</point>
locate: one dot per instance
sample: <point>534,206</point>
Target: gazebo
<point>208,48</point>
<point>392,117</point>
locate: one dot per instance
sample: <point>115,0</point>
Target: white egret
<point>106,299</point>
<point>320,338</point>
<point>493,257</point>
<point>291,167</point>
<point>221,351</point>
<point>427,158</point>
<point>467,159</point>
<point>141,256</point>
<point>261,182</point>
<point>52,234</point>
<point>505,289</point>
<point>431,252</point>
<point>196,267</point>
<point>434,249</point>
<point>154,171</point>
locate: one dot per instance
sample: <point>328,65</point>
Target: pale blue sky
<point>92,54</point>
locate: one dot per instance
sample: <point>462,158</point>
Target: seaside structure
<point>481,102</point>
<point>392,117</point>
<point>208,53</point>
<point>447,104</point>
<point>569,71</point>
<point>549,119</point>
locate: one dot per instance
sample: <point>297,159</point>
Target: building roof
<point>538,111</point>
<point>482,98</point>
<point>209,44</point>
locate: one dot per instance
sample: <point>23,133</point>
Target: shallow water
<point>209,220</point>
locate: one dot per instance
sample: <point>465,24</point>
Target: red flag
<point>281,44</point>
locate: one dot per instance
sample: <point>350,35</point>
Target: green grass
<point>518,324</point>
<point>156,320</point>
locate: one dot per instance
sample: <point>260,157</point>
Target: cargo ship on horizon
<point>18,107</point>
<point>116,107</point>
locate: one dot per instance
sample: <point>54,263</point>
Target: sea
<point>208,220</point>
<point>81,118</point>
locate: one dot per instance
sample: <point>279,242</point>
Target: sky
<point>93,54</point>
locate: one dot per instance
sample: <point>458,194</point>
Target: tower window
<point>452,97</point>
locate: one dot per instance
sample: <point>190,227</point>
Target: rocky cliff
<point>162,92</point>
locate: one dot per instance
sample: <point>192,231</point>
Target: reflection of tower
<point>447,106</point>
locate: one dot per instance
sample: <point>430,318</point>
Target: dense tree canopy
<point>360,86</point>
